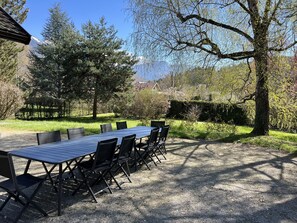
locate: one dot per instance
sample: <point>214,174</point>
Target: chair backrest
<point>121,125</point>
<point>105,152</point>
<point>153,136</point>
<point>127,146</point>
<point>75,133</point>
<point>164,133</point>
<point>106,128</point>
<point>5,169</point>
<point>48,137</point>
<point>157,123</point>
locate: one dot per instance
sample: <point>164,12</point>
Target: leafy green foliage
<point>146,104</point>
<point>11,99</point>
<point>9,50</point>
<point>283,97</point>
<point>216,112</point>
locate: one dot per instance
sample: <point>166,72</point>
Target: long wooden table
<point>65,151</point>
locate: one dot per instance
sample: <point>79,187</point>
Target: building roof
<point>140,85</point>
<point>11,30</point>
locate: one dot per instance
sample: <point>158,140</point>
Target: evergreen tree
<point>108,68</point>
<point>54,61</point>
<point>9,50</point>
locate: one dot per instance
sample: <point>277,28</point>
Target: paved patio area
<point>199,182</point>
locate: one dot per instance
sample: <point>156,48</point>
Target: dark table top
<point>60,152</point>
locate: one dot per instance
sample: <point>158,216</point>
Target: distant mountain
<point>34,43</point>
<point>151,70</point>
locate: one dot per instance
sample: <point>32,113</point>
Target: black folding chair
<point>121,125</point>
<point>158,124</point>
<point>161,145</point>
<point>124,155</point>
<point>15,185</point>
<point>106,128</point>
<point>100,166</point>
<point>44,138</point>
<point>148,148</point>
<point>75,133</point>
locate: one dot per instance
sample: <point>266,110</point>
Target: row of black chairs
<point>108,127</point>
<point>103,164</point>
<point>123,125</point>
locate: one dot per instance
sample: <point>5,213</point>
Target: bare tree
<point>225,29</point>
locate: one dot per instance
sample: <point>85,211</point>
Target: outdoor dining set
<point>87,160</point>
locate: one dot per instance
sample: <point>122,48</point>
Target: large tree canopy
<point>107,67</point>
<point>53,62</point>
<point>226,29</point>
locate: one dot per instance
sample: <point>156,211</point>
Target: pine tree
<point>108,68</point>
<point>9,50</point>
<point>52,66</point>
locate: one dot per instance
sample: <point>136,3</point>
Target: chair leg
<point>112,176</point>
<point>107,185</point>
<point>82,182</point>
<point>159,149</point>
<point>21,212</point>
<point>141,159</point>
<point>128,168</point>
<point>91,192</point>
<point>126,174</point>
<point>5,202</point>
<point>154,153</point>
<point>149,155</point>
<point>164,147</point>
<point>29,201</point>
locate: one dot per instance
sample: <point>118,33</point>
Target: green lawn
<point>181,129</point>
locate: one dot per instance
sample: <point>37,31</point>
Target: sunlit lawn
<point>181,129</point>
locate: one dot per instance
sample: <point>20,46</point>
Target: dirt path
<point>199,182</point>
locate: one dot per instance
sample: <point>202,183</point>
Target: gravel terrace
<point>200,181</point>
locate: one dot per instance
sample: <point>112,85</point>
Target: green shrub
<point>11,99</point>
<point>209,111</point>
<point>147,104</point>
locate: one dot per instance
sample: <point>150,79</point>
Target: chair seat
<point>141,145</point>
<point>89,164</point>
<point>121,158</point>
<point>24,181</point>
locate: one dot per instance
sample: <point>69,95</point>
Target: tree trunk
<point>95,98</point>
<point>261,125</point>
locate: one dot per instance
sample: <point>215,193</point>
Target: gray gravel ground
<point>200,181</point>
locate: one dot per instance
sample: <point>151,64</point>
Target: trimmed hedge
<point>210,111</point>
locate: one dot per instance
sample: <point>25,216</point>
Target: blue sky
<point>80,11</point>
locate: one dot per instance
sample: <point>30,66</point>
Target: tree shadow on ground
<point>200,181</point>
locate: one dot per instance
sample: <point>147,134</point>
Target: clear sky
<point>80,11</point>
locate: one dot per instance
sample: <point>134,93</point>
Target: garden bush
<point>209,111</point>
<point>11,99</point>
<point>147,104</point>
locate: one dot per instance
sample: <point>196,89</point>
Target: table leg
<point>60,189</point>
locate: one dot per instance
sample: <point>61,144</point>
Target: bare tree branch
<point>212,22</point>
<point>283,48</point>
